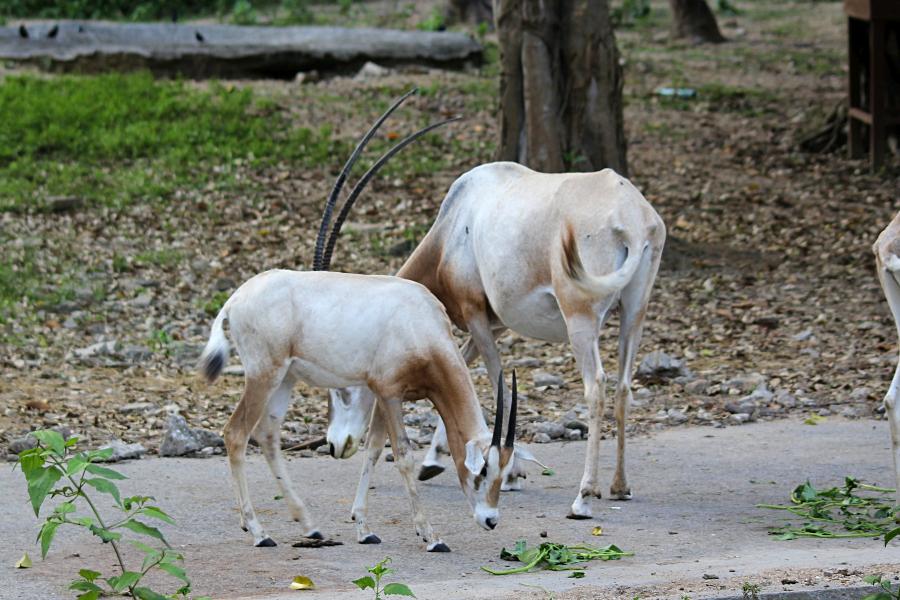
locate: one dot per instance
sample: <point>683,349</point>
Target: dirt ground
<point>768,267</point>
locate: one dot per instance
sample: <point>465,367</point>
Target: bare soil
<point>768,267</point>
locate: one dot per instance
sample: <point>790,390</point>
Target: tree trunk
<point>469,11</point>
<point>693,19</point>
<point>560,85</point>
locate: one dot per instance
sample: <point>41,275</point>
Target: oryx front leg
<point>374,446</point>
<point>268,435</point>
<point>892,408</point>
<point>405,464</point>
<point>584,343</point>
<point>237,433</point>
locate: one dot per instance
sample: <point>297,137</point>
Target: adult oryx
<point>887,263</point>
<point>336,329</point>
<point>547,256</point>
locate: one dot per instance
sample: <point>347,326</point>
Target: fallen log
<point>227,51</point>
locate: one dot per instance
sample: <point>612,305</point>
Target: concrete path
<point>693,515</point>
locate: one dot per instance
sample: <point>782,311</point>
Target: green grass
<point>118,138</point>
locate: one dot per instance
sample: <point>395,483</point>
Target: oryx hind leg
<point>268,435</point>
<point>633,306</point>
<point>246,415</point>
<point>584,337</point>
<point>374,446</point>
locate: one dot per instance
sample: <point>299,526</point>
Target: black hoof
<point>429,471</point>
<point>578,517</point>
<point>315,535</point>
<point>266,543</point>
<point>244,529</point>
<point>371,539</point>
<point>439,547</point>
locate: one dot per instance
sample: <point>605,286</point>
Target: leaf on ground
<point>548,472</point>
<point>397,589</point>
<point>301,582</point>
<point>24,562</point>
<point>597,530</point>
<point>813,420</point>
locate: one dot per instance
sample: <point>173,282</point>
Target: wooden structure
<point>867,25</point>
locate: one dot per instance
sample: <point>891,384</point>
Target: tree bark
<point>560,86</point>
<point>469,11</point>
<point>693,19</point>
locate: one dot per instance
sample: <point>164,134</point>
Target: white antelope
<point>887,261</point>
<point>336,329</point>
<point>515,249</point>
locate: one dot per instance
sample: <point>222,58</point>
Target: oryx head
<point>349,411</point>
<point>488,463</point>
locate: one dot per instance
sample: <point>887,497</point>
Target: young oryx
<point>336,329</point>
<point>887,261</point>
<point>515,249</point>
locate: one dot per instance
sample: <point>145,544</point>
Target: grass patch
<point>117,138</point>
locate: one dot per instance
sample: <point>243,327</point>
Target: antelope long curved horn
<point>342,177</point>
<point>364,180</point>
<point>511,427</point>
<point>498,421</point>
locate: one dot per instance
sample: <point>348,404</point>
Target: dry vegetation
<point>768,266</point>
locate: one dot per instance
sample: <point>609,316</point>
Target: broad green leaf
<point>39,485</point>
<point>71,441</point>
<point>175,571</point>
<point>891,535</point>
<point>365,582</point>
<point>83,585</point>
<point>99,455</point>
<point>156,513</point>
<point>144,547</point>
<point>144,529</point>
<point>24,562</point>
<point>76,465</point>
<point>104,472</point>
<point>872,579</point>
<point>106,487</point>
<point>397,589</point>
<point>92,595</point>
<point>124,581</point>
<point>301,582</point>
<point>143,593</point>
<point>31,462</point>
<point>83,521</point>
<point>52,439</point>
<point>548,472</point>
<point>576,574</point>
<point>65,508</point>
<point>130,501</point>
<point>46,536</point>
<point>89,575</point>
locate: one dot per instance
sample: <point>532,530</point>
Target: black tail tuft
<point>212,365</point>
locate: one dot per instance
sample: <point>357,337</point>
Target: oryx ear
<point>474,457</point>
<point>523,453</point>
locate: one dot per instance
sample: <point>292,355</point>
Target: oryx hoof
<point>578,516</point>
<point>370,539</point>
<point>266,542</point>
<point>315,535</point>
<point>244,529</point>
<point>430,471</point>
<point>438,547</point>
<point>620,494</point>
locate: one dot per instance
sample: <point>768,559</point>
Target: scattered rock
<point>527,361</point>
<point>860,394</point>
<point>551,429</point>
<point>660,367</point>
<point>676,417</point>
<point>785,398</point>
<point>137,354</point>
<point>138,407</point>
<point>573,434</point>
<point>540,438</point>
<point>739,418</point>
<point>697,387</point>
<point>223,284</point>
<point>542,379</point>
<point>208,439</point>
<point>307,77</point>
<point>803,335</point>
<point>22,444</point>
<point>123,451</point>
<point>234,370</point>
<point>745,383</point>
<point>179,439</point>
<point>371,70</point>
<point>576,424</point>
<point>108,348</point>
